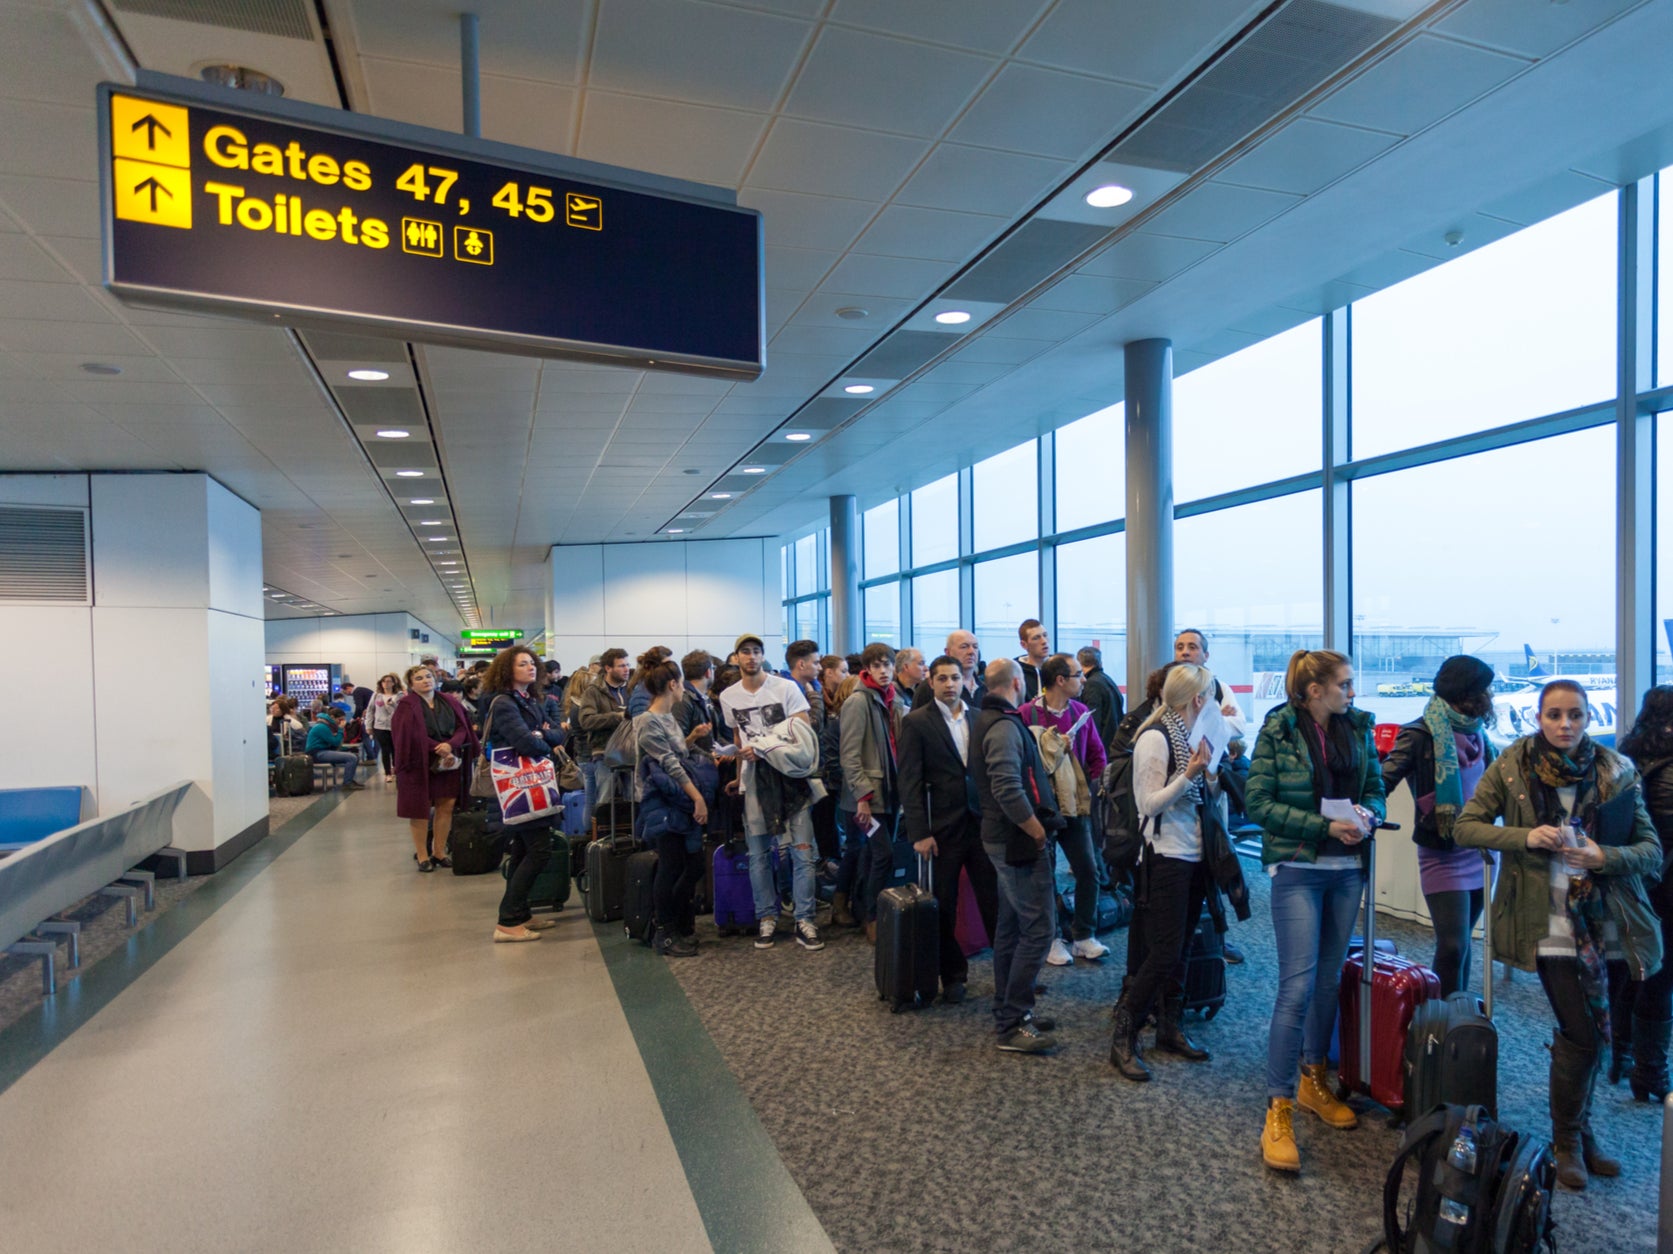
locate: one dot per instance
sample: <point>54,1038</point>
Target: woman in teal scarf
<point>1442,756</point>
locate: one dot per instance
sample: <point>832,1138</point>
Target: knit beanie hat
<point>1461,677</point>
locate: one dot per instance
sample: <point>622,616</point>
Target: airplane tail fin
<point>1535,670</point>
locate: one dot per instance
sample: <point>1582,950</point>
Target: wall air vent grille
<point>286,18</point>
<point>1299,48</point>
<point>43,555</point>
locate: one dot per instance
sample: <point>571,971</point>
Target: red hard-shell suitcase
<point>1377,1008</point>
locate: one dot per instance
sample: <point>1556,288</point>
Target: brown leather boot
<point>841,914</point>
<point>871,931</point>
<point>1571,1069</point>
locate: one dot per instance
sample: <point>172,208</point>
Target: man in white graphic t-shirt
<point>761,707</point>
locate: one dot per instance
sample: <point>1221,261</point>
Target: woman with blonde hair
<point>1314,748</point>
<point>1171,784</point>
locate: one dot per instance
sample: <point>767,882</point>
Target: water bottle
<point>1454,1212</point>
<point>1463,1155</point>
<point>1573,835</point>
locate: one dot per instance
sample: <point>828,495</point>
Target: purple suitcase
<point>734,900</point>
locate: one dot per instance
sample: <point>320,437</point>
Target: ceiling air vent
<point>286,18</point>
<point>43,555</point>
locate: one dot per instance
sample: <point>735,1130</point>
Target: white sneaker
<point>1091,949</point>
<point>1059,955</point>
<point>764,933</point>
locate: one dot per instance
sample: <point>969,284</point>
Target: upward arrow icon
<point>152,126</point>
<point>153,187</point>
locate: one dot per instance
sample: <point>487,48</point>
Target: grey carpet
<point>911,1133</point>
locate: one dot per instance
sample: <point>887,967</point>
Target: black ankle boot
<point>1171,1037</point>
<point>1649,1054</point>
<point>1125,1056</point>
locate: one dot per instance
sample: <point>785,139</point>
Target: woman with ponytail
<point>1570,904</point>
<point>1442,755</point>
<point>1314,748</point>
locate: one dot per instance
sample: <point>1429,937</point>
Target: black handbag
<point>1220,859</point>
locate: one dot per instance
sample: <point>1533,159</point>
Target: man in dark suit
<point>1100,694</point>
<point>938,802</point>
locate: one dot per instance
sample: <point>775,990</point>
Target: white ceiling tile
<point>697,52</point>
<point>1532,30</point>
<point>883,312</point>
<point>791,220</point>
<point>903,278</point>
<point>51,302</point>
<point>79,257</point>
<point>834,161</point>
<point>1002,350</point>
<point>1549,198</point>
<point>936,234</point>
<point>1306,155</point>
<point>1417,85</point>
<point>514,111</point>
<point>1090,293</point>
<point>980,179</point>
<point>1218,212</point>
<point>681,140</point>
<point>57,205</point>
<point>797,267</point>
<point>45,140</point>
<point>1048,113</point>
<point>216,338</point>
<point>840,341</point>
<point>854,78</point>
<point>541,41</point>
<point>1138,43</point>
<point>22,258</point>
<point>1046,324</point>
<point>985,25</point>
<point>59,60</point>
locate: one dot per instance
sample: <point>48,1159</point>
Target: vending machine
<point>304,681</point>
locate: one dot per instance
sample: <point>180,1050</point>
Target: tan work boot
<point>1278,1140</point>
<point>1313,1093</point>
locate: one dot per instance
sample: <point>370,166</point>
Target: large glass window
<point>1005,508</point>
<point>1092,469</point>
<point>1533,582</point>
<point>812,569</point>
<point>934,608</point>
<point>810,619</point>
<point>882,539</point>
<point>1663,630</point>
<point>1664,278</point>
<point>1251,578</point>
<point>1250,418</point>
<point>935,522</point>
<point>1092,599</point>
<point>1520,328</point>
<point>883,613</point>
<point>1007,591</point>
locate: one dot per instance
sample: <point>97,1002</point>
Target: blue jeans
<point>797,839</point>
<point>589,777</point>
<point>339,757</point>
<point>1022,938</point>
<point>1313,915</point>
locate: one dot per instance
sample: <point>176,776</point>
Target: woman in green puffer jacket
<point>1317,748</point>
<point>1570,902</point>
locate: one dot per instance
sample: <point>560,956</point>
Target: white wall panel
<point>50,741</point>
<point>724,591</point>
<point>234,533</point>
<point>577,572</point>
<point>644,589</point>
<point>43,490</point>
<point>236,729</point>
<point>150,540</point>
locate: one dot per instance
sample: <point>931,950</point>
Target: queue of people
<point>865,765</point>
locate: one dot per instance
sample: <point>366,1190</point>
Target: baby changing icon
<point>473,244</point>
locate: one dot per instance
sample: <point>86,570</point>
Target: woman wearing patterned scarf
<point>1570,902</point>
<point>1442,755</point>
<point>1170,783</point>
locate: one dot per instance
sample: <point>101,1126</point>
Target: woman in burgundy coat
<point>434,746</point>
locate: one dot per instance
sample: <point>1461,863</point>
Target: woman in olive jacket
<point>1566,906</point>
<point>1315,748</point>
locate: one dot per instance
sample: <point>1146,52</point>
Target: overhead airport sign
<point>507,634</point>
<point>308,216</point>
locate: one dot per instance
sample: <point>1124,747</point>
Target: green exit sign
<point>508,635</point>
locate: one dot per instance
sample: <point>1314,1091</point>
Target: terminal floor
<point>322,1051</point>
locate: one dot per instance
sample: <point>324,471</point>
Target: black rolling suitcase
<point>293,776</point>
<point>474,850</point>
<point>1452,1047</point>
<point>638,911</point>
<point>908,957</point>
<point>1205,969</point>
<point>606,891</point>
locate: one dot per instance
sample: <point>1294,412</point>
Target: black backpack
<point>1123,829</point>
<point>1481,1187</point>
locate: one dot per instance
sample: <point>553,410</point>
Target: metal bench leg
<point>147,882</point>
<point>46,951</point>
<point>178,857</point>
<point>130,894</point>
<point>65,927</point>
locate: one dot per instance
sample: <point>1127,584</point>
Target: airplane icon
<point>585,212</point>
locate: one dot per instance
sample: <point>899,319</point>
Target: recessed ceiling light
<point>798,436</point>
<point>369,376</point>
<point>755,470</point>
<point>442,539</point>
<point>692,470</point>
<point>447,563</point>
<point>952,317</point>
<point>430,522</point>
<point>859,389</point>
<point>720,496</point>
<point>409,474</point>
<point>853,313</point>
<point>1109,196</point>
<point>393,433</point>
<point>100,367</point>
<point>676,531</point>
<point>421,500</point>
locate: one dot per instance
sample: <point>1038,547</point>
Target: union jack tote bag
<point>527,788</point>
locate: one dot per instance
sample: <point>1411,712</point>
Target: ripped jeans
<point>797,839</point>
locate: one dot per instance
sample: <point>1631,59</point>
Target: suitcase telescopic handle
<point>926,874</point>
